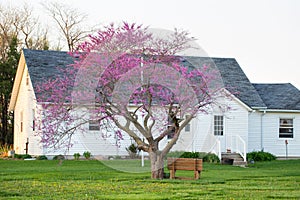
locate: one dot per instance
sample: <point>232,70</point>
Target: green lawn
<point>94,180</point>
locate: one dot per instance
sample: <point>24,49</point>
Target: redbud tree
<point>128,77</point>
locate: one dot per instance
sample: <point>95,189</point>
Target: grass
<point>92,179</point>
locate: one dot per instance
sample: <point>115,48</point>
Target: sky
<point>262,35</point>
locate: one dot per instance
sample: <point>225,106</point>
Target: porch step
<point>233,159</point>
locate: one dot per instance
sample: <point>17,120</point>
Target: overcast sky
<point>262,35</point>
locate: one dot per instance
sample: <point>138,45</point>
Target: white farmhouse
<point>262,116</point>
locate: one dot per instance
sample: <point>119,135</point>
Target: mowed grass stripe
<point>47,179</point>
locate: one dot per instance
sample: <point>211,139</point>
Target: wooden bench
<point>190,164</point>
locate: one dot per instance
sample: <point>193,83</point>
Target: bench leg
<point>172,174</point>
<point>197,174</point>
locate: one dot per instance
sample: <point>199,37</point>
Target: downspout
<point>262,130</point>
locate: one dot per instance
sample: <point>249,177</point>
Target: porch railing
<point>216,148</point>
<point>238,145</point>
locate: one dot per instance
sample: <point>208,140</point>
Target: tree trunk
<point>157,165</point>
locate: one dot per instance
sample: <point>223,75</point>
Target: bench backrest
<point>184,164</point>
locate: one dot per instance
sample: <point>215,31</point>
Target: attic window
<point>171,133</point>
<point>27,78</point>
<point>187,128</point>
<point>286,128</point>
<point>94,125</point>
<point>21,120</point>
<point>33,119</point>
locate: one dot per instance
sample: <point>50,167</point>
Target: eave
<point>17,82</point>
<point>280,111</point>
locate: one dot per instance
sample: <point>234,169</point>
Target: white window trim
<point>214,126</point>
<point>293,127</point>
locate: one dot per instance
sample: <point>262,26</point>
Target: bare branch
<point>70,22</point>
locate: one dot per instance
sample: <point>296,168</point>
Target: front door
<point>219,131</point>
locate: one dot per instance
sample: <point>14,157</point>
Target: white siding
<point>202,137</point>
<point>255,131</point>
<point>99,142</point>
<point>271,141</point>
<point>25,104</point>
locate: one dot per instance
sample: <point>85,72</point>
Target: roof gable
<point>283,96</point>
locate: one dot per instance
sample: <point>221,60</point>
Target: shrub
<point>260,156</point>
<point>207,157</point>
<point>190,155</point>
<point>87,154</point>
<point>175,154</point>
<point>43,157</point>
<point>76,156</point>
<point>132,150</point>
<point>58,157</point>
<point>4,149</point>
<point>22,156</point>
<point>211,158</point>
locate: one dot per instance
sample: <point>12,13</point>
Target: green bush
<point>76,156</point>
<point>207,157</point>
<point>132,151</point>
<point>87,155</point>
<point>190,155</point>
<point>42,157</point>
<point>22,156</point>
<point>211,158</point>
<point>175,154</point>
<point>260,156</point>
<point>58,157</point>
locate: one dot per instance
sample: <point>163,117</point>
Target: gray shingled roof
<point>43,65</point>
<point>282,96</point>
<point>233,78</point>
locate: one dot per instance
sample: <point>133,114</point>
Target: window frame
<point>286,124</point>
<point>219,126</point>
<point>33,119</point>
<point>94,125</point>
<point>171,134</point>
<point>187,128</point>
<point>21,121</point>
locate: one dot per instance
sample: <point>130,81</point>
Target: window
<point>94,125</point>
<point>171,132</point>
<point>187,128</point>
<point>218,125</point>
<point>21,120</point>
<point>27,78</point>
<point>286,128</point>
<point>33,119</point>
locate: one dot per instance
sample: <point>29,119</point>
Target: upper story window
<point>218,125</point>
<point>27,78</point>
<point>21,121</point>
<point>94,125</point>
<point>33,119</point>
<point>171,132</point>
<point>286,128</point>
<point>187,128</point>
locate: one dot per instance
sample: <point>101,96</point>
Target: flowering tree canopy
<point>128,77</point>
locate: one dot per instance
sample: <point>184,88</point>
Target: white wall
<point>271,141</point>
<point>255,131</point>
<point>202,137</point>
<point>25,104</point>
